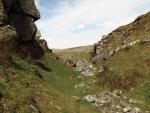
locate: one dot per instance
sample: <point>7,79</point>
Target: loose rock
<point>113,102</point>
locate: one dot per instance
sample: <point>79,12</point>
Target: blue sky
<point>71,23</point>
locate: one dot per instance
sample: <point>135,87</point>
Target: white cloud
<point>84,22</point>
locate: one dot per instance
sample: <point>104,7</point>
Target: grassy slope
<point>130,69</point>
<point>20,84</point>
<point>78,53</point>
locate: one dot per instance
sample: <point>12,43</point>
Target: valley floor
<point>49,86</point>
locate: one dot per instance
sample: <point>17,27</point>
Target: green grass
<point>141,93</point>
<point>130,70</point>
<point>20,84</point>
<point>63,79</point>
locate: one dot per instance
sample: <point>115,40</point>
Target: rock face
<point>26,7</point>
<point>22,14</point>
<point>17,26</point>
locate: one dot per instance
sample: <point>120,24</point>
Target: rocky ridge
<point>122,38</point>
<point>110,52</point>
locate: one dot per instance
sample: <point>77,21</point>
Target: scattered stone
<point>137,110</point>
<point>71,63</point>
<point>101,69</point>
<point>145,40</point>
<point>35,106</point>
<point>82,67</point>
<point>127,109</point>
<point>80,85</point>
<point>113,102</point>
<point>91,98</point>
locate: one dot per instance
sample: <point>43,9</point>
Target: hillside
<point>124,59</point>
<point>42,86</point>
<point>77,53</point>
<point>137,30</point>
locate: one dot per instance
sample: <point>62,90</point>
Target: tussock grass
<point>113,80</point>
